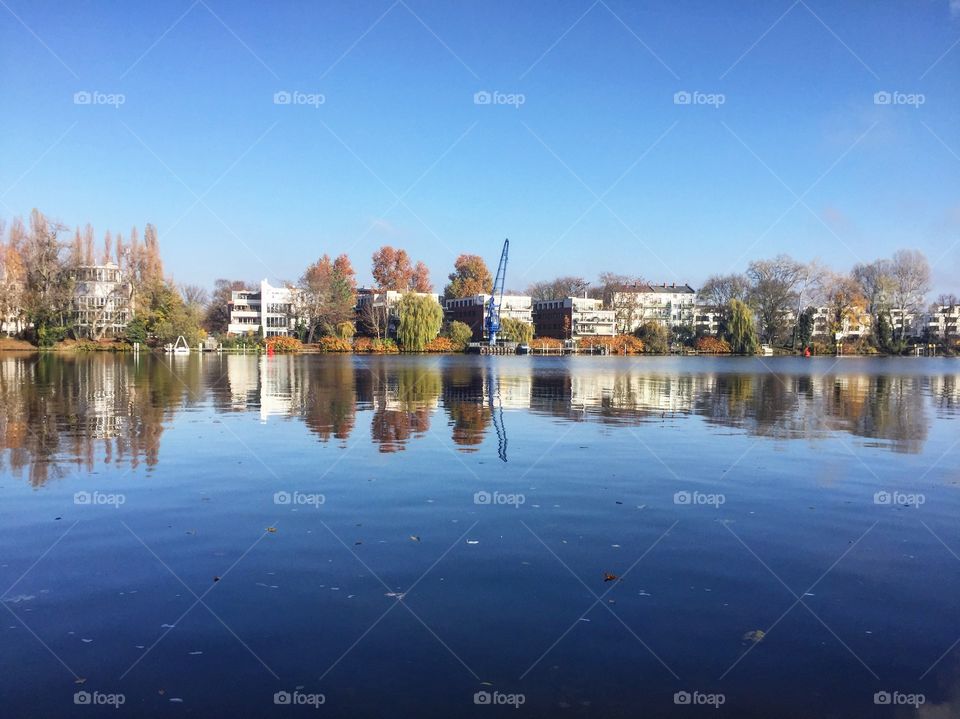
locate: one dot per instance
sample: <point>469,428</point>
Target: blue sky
<point>598,169</point>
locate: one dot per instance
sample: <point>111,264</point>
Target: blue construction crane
<point>496,297</point>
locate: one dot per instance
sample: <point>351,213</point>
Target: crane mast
<point>496,297</point>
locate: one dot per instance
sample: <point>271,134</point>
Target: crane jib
<point>496,296</point>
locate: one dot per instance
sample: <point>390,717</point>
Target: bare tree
<point>774,293</point>
<point>910,273</point>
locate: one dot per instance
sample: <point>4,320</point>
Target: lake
<point>445,536</point>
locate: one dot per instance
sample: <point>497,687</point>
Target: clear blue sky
<point>704,186</point>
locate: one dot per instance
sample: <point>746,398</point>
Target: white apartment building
<point>670,305</point>
<point>851,327</point>
<point>944,322</point>
<point>268,311</point>
<point>101,300</point>
<point>573,318</point>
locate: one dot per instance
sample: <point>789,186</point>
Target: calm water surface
<point>397,534</point>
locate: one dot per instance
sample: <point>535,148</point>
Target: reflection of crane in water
<point>496,413</point>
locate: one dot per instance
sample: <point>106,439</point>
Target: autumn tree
<point>420,320</point>
<point>327,295</point>
<point>844,301</point>
<point>392,270</point>
<point>46,293</point>
<point>470,276</point>
<point>11,276</point>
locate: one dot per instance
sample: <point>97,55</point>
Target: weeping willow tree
<point>514,330</point>
<point>742,335</point>
<point>420,320</point>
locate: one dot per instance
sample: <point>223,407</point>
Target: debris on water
<point>87,641</point>
<point>272,530</point>
<point>57,519</point>
<point>139,646</point>
<point>19,598</point>
<point>167,626</point>
<point>615,546</point>
<point>216,579</point>
<point>191,531</point>
<point>176,700</point>
<point>193,654</point>
<point>396,595</point>
<point>357,542</point>
<point>473,541</point>
<point>582,619</point>
<point>756,636</point>
<point>619,502</point>
<point>414,538</point>
<point>80,680</point>
<point>607,577</point>
<point>809,594</point>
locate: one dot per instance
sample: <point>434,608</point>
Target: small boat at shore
<point>180,347</point>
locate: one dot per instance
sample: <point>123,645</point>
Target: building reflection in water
<point>63,412</point>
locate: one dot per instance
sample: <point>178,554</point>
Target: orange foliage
<point>441,344</point>
<point>281,343</point>
<point>334,344</point>
<point>543,343</point>
<point>621,344</point>
<point>713,345</point>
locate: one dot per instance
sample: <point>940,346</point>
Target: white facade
<point>944,322</point>
<point>101,300</point>
<point>670,305</point>
<point>268,311</point>
<point>852,327</point>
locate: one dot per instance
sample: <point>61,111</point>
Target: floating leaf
<point>755,636</point>
<point>414,537</point>
<point>272,530</point>
<point>607,577</point>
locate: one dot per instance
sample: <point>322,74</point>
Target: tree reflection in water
<point>75,411</point>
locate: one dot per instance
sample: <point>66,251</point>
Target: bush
<point>283,344</point>
<point>386,346</point>
<point>362,344</point>
<point>544,343</point>
<point>656,338</point>
<point>713,345</point>
<point>329,343</point>
<point>621,344</point>
<point>459,333</point>
<point>442,344</point>
<point>513,330</point>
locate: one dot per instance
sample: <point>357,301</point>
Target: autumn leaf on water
<point>607,577</point>
<point>272,530</point>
